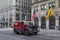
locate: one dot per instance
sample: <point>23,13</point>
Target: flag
<point>34,14</point>
<point>50,13</point>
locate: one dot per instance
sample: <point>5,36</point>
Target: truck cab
<point>25,27</point>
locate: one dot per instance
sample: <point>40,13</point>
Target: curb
<point>6,29</point>
<point>53,35</point>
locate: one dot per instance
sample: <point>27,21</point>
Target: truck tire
<point>35,33</point>
<point>26,33</point>
<point>15,31</point>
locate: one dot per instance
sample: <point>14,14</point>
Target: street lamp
<point>56,14</point>
<point>39,20</point>
<point>57,19</point>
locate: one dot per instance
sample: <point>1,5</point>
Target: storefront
<point>51,23</point>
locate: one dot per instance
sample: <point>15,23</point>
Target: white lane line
<point>52,34</point>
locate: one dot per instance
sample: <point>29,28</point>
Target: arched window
<point>36,21</point>
<point>52,22</point>
<point>43,22</point>
<point>59,23</point>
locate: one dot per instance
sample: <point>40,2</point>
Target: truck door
<point>21,26</point>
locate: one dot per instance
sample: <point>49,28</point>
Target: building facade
<point>42,7</point>
<point>14,10</point>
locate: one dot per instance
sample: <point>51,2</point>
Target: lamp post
<point>57,20</point>
<point>40,20</point>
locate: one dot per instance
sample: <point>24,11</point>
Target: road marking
<point>52,34</point>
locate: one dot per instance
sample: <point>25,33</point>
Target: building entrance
<point>52,22</point>
<point>43,22</point>
<point>36,21</point>
<point>59,23</point>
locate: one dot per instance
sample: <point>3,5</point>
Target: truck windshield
<point>27,23</point>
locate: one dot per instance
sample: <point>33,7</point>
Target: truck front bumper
<point>30,31</point>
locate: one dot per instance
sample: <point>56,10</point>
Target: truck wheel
<point>26,33</point>
<point>15,31</point>
<point>35,33</point>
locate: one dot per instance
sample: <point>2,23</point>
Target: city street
<point>30,16</point>
<point>9,35</point>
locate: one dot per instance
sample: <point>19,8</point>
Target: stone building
<point>14,10</point>
<point>42,7</point>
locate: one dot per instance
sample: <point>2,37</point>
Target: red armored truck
<point>25,27</point>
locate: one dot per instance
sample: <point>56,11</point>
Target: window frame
<point>17,16</point>
<point>43,7</point>
<point>53,6</point>
<point>36,8</point>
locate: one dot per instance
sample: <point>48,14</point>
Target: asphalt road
<point>9,35</point>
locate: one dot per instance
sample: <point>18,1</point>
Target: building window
<point>23,16</point>
<point>19,1</point>
<point>17,16</point>
<point>36,1</point>
<point>17,9</point>
<point>59,3</point>
<point>52,5</point>
<point>43,7</point>
<point>16,0</point>
<point>17,5</point>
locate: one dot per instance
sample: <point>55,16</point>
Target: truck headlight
<point>38,29</point>
<point>26,27</point>
<point>30,29</point>
<point>16,23</point>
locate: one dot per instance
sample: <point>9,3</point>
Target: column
<point>5,20</point>
<point>56,23</point>
<point>33,21</point>
<point>13,15</point>
<point>39,22</point>
<point>8,19</point>
<point>47,24</point>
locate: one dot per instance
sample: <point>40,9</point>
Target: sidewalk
<point>49,32</point>
<point>42,31</point>
<point>5,29</point>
